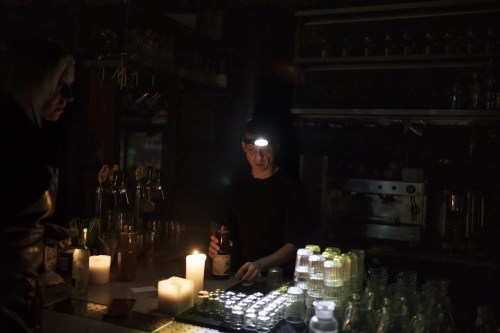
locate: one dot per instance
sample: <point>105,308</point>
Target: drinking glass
<point>301,274</point>
<point>332,279</point>
<point>315,271</point>
<point>237,317</point>
<point>274,278</point>
<point>295,303</point>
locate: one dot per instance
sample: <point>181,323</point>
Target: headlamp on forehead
<point>256,141</point>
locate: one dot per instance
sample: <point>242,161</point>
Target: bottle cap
<point>324,309</point>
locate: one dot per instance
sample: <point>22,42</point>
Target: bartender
<point>265,209</point>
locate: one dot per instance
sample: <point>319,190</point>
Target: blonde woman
<point>36,75</point>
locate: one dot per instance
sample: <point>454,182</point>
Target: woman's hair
<point>30,71</point>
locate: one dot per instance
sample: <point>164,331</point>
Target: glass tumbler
<point>301,274</point>
<point>315,271</point>
<point>295,304</point>
<point>237,317</point>
<point>250,321</point>
<point>333,281</point>
<point>274,278</point>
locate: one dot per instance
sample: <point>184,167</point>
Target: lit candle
<point>195,271</point>
<point>99,269</point>
<point>175,295</point>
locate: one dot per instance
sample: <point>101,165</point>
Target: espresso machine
<point>377,209</point>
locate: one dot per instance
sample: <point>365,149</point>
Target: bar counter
<point>65,313</point>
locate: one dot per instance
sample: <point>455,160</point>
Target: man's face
<point>261,159</point>
<point>53,109</point>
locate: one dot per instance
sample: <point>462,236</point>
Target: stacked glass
<point>346,273</point>
<point>333,284</point>
<point>353,283</point>
<point>360,269</point>
<point>330,252</point>
<point>301,274</point>
<point>314,283</point>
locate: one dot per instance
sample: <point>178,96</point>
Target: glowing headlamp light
<point>257,141</point>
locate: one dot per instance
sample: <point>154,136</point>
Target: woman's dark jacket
<point>26,199</point>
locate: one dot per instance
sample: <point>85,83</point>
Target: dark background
<point>176,47</point>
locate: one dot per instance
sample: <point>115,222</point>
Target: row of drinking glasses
<point>331,275</point>
<point>404,308</point>
<point>397,306</point>
<point>251,312</point>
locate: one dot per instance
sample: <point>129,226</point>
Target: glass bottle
<point>80,270</point>
<point>121,204</point>
<point>221,263</point>
<point>323,321</point>
<point>126,256</point>
<point>475,93</point>
<point>356,318</point>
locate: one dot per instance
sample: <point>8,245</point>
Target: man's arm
<point>251,270</point>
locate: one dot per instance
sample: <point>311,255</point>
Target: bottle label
<point>221,264</point>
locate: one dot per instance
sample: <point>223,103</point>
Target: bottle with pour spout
<point>80,270</point>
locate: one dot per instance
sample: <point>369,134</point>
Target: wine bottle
<point>221,263</point>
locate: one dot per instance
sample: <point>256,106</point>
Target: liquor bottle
<point>475,93</point>
<point>80,269</point>
<point>221,263</point>
<point>126,256</point>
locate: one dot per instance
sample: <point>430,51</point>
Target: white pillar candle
<point>99,269</point>
<point>195,271</point>
<point>175,295</point>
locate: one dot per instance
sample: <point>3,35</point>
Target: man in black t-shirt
<point>265,211</point>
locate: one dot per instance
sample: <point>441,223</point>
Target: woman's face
<point>63,95</point>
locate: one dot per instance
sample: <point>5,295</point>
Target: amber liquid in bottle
<point>126,256</point>
<point>221,263</point>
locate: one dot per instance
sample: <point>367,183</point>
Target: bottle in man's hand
<point>221,263</point>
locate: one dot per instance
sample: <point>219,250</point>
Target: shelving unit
<point>405,61</point>
<point>407,84</point>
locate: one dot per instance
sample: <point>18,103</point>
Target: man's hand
<point>213,248</point>
<point>249,272</point>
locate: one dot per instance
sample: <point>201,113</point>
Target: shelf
<point>399,62</point>
<point>435,117</point>
<point>400,11</point>
<point>427,255</point>
<point>199,77</point>
<point>395,62</point>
